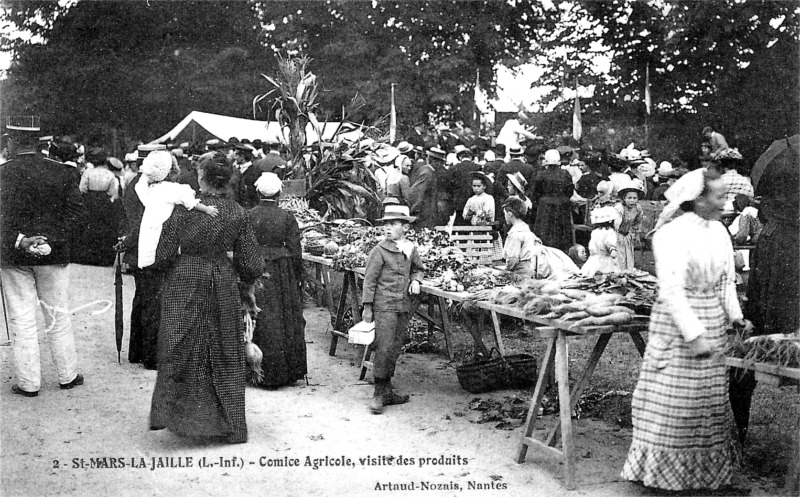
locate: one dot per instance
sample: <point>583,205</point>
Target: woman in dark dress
<point>280,327</point>
<point>200,388</point>
<point>104,212</point>
<point>551,192</point>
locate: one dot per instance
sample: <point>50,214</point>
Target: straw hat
<point>437,153</point>
<point>632,185</point>
<point>516,152</point>
<point>392,212</point>
<point>518,180</point>
<point>404,147</point>
<point>603,215</point>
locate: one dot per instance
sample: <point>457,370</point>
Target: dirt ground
<point>94,439</point>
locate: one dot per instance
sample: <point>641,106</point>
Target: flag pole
<point>392,120</point>
<point>647,105</point>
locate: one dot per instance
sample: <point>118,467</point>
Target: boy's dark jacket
<point>388,274</point>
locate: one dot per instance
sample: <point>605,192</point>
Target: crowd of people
<point>203,235</point>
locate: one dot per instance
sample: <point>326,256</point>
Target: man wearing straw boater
<point>393,274</point>
<point>41,206</point>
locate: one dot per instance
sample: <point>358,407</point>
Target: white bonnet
<point>157,165</point>
<point>268,184</point>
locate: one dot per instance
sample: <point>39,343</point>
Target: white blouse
<point>99,179</point>
<point>694,254</point>
<point>481,208</point>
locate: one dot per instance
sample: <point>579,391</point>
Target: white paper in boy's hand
<point>361,333</point>
<point>363,327</point>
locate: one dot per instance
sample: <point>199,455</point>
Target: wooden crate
<point>294,188</point>
<point>476,242</point>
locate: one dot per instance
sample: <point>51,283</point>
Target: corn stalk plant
<point>295,96</point>
<point>338,180</point>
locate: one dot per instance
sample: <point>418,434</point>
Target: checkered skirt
<point>683,434</point>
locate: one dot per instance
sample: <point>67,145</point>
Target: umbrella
<point>118,307</point>
<point>776,151</point>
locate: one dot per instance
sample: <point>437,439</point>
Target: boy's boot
<point>392,398</point>
<point>376,404</point>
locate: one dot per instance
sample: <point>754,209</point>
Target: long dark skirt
<point>145,316</point>
<point>98,235</point>
<point>280,327</point>
<point>554,222</point>
<point>773,290</point>
<point>200,388</point>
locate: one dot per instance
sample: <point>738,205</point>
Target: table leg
<point>583,381</point>
<point>337,322</point>
<point>366,363</point>
<point>536,400</point>
<point>446,327</point>
<point>565,413</point>
<point>328,288</point>
<point>638,341</point>
<point>431,307</point>
<point>320,292</point>
<point>498,338</point>
<point>354,297</point>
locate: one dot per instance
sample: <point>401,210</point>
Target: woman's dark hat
<point>488,179</point>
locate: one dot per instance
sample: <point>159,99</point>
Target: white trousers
<point>29,287</point>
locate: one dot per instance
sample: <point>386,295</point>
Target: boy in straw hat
<point>393,274</point>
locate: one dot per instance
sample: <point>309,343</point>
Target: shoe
<point>376,404</point>
<point>17,390</point>
<point>74,383</point>
<point>392,398</point>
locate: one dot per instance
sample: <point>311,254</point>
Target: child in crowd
<point>159,198</point>
<point>578,254</point>
<point>628,223</point>
<point>393,273</point>
<point>479,209</point>
<point>746,226</point>
<point>603,243</point>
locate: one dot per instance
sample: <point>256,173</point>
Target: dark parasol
<point>119,329</point>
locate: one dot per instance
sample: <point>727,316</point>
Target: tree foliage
<point>431,50</point>
<point>733,64</point>
<point>136,67</point>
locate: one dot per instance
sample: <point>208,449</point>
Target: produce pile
<point>638,288</point>
<point>549,299</point>
<point>298,206</point>
<point>779,349</point>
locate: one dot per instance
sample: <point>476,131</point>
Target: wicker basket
<point>495,373</point>
<point>521,371</point>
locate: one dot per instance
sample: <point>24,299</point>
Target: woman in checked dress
<point>683,435</point>
<point>200,388</point>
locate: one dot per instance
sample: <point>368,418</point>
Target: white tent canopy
<point>203,126</point>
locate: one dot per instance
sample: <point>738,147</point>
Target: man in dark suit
<point>422,195</point>
<point>272,162</point>
<point>41,207</point>
<point>145,309</point>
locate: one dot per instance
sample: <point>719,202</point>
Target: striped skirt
<point>683,431</point>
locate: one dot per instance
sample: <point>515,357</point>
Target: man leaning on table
<point>41,204</point>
